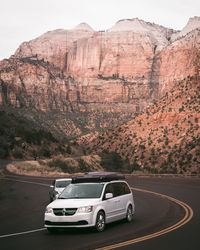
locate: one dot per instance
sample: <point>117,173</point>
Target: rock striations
<point>95,80</point>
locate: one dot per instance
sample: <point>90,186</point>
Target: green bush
<point>134,167</point>
<point>4,152</point>
<point>17,153</point>
<point>112,161</point>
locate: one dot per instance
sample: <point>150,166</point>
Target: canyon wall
<point>109,75</point>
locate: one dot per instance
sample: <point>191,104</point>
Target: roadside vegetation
<point>59,166</point>
<point>163,139</point>
<point>20,140</point>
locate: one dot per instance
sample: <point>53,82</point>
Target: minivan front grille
<point>64,211</point>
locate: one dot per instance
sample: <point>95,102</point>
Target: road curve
<point>188,216</point>
<point>23,200</point>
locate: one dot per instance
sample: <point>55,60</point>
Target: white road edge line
<point>26,232</point>
<point>30,182</point>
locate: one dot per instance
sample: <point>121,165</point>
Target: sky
<point>24,20</point>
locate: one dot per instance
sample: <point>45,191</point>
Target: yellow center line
<point>188,216</point>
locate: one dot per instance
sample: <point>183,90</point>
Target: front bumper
<point>76,220</point>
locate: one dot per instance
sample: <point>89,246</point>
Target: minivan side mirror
<point>108,196</point>
<point>51,186</point>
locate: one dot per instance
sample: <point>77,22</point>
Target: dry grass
<point>33,168</point>
<point>54,167</point>
<point>94,161</point>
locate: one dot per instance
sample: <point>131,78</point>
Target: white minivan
<point>92,200</point>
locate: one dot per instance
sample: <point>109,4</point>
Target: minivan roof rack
<point>97,177</point>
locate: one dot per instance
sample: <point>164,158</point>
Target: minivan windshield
<point>82,191</point>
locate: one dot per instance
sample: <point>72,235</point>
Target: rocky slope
<point>165,138</point>
<point>77,81</point>
<point>19,140</point>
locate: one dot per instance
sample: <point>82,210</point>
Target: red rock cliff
<point>118,71</point>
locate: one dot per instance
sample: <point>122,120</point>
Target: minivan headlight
<point>87,209</point>
<point>49,210</point>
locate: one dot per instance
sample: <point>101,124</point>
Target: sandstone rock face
<point>98,62</point>
<point>53,45</point>
<point>44,95</point>
<point>31,83</point>
<point>158,34</point>
<point>127,49</point>
<point>110,74</point>
<point>178,60</point>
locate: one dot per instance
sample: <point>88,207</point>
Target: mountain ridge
<point>74,77</point>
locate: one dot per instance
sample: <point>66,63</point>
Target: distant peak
<point>134,24</point>
<point>193,23</point>
<point>195,19</point>
<point>83,26</point>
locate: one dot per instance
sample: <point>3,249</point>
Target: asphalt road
<point>23,201</point>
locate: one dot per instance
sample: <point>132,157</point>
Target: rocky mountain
<point>165,138</point>
<point>77,81</point>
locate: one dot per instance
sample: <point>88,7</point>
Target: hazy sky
<point>24,20</point>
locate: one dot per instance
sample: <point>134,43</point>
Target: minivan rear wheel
<point>129,213</point>
<point>100,221</point>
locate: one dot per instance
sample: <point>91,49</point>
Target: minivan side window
<point>120,188</point>
<point>117,189</point>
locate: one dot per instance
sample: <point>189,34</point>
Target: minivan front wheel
<point>100,221</point>
<point>129,213</point>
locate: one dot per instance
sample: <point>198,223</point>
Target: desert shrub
<point>111,161</point>
<point>45,152</point>
<point>142,146</point>
<point>142,156</point>
<point>17,153</point>
<point>84,167</point>
<point>135,167</point>
<point>4,152</point>
<point>69,150</point>
<point>4,148</point>
<point>62,164</point>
